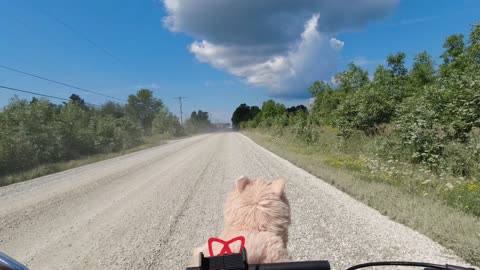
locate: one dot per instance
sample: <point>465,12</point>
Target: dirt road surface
<point>147,210</point>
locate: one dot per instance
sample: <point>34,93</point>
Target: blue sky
<point>214,59</point>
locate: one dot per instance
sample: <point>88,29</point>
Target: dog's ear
<point>241,183</point>
<point>278,186</point>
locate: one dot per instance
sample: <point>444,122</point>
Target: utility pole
<point>181,111</point>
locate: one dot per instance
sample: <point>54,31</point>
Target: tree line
<point>428,114</point>
<point>38,132</point>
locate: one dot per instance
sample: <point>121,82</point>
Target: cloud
<point>336,44</point>
<point>280,73</point>
<point>282,45</point>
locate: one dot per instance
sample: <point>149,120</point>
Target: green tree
<point>77,131</point>
<point>318,87</point>
<point>397,84</point>
<point>76,99</point>
<point>198,122</point>
<point>453,56</point>
<point>254,111</point>
<point>112,108</point>
<point>167,123</point>
<point>423,70</point>
<point>241,114</point>
<point>270,110</point>
<point>297,109</point>
<point>28,134</point>
<point>326,101</point>
<point>365,110</point>
<point>396,63</point>
<point>142,107</point>
<point>454,47</point>
<point>352,79</point>
<point>474,48</point>
<point>244,113</point>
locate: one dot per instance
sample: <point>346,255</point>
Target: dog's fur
<point>259,211</point>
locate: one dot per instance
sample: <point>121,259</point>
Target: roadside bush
<point>365,110</point>
<point>105,134</point>
<point>463,159</point>
<point>420,132</point>
<point>76,132</point>
<point>39,132</point>
<point>127,134</point>
<point>167,123</point>
<point>27,138</point>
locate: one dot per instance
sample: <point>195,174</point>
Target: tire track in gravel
<point>49,216</point>
<point>32,212</point>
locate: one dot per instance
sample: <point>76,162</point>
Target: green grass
<point>384,190</point>
<point>50,168</point>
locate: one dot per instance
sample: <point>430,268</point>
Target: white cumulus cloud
<point>336,44</point>
<point>282,45</point>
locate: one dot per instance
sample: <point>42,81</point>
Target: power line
<point>61,83</point>
<point>33,93</point>
<point>181,111</point>
<point>42,95</point>
<point>83,36</point>
<point>78,33</point>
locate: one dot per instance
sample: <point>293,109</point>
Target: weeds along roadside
<point>409,194</point>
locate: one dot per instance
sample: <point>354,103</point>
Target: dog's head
<point>258,205</point>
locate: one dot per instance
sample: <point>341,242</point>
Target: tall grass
<point>368,154</point>
<point>409,194</point>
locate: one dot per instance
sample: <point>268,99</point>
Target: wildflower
<point>472,186</point>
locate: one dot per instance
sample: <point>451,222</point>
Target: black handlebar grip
<point>311,265</point>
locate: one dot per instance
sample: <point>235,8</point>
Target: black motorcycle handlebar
<point>238,261</point>
<point>310,265</point>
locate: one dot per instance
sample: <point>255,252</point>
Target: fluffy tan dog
<point>259,211</point>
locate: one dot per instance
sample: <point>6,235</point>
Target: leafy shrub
<point>420,131</point>
<point>27,137</point>
<point>167,123</point>
<point>365,110</point>
<point>39,132</point>
<point>127,134</point>
<point>463,159</point>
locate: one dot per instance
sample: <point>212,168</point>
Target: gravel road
<point>147,210</point>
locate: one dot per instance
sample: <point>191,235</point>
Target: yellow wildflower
<point>472,186</point>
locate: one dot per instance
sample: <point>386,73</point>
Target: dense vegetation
<point>417,128</point>
<point>39,132</point>
<point>198,122</point>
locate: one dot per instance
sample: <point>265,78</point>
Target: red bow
<point>226,245</point>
